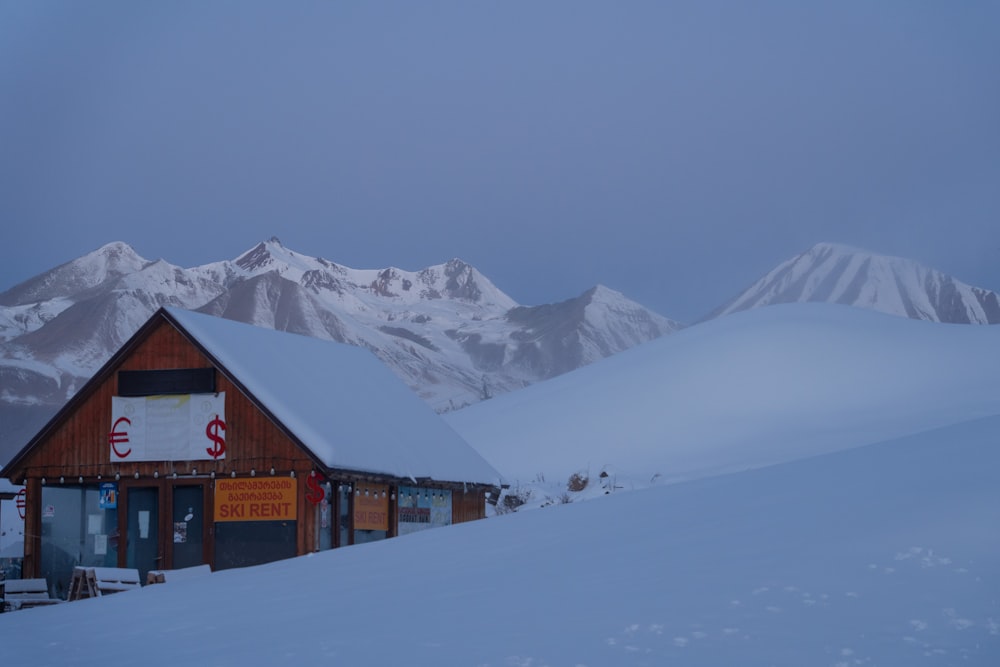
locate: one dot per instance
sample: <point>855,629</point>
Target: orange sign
<point>267,499</point>
<point>371,508</point>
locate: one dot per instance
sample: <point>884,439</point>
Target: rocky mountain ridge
<point>446,330</point>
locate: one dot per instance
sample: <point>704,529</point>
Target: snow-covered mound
<point>755,388</point>
<point>882,555</point>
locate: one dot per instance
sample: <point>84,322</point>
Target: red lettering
<point>230,510</point>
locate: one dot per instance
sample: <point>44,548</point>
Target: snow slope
<point>751,389</point>
<point>881,555</point>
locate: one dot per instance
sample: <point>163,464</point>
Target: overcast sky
<point>674,151</point>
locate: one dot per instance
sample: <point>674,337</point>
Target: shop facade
<point>210,441</point>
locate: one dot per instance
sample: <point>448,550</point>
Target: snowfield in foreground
<point>882,555</point>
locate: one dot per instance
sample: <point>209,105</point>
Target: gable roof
<point>339,402</point>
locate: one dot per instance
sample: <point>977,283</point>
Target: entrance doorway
<point>188,539</point>
<point>165,525</point>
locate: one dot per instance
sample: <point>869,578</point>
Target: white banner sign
<point>184,427</point>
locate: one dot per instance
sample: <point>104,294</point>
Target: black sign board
<point>161,382</point>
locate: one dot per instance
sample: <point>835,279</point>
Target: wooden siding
<point>79,445</point>
<point>32,529</point>
<point>468,505</point>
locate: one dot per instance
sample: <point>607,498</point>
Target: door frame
<point>164,530</point>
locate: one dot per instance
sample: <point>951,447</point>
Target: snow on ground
<point>881,555</point>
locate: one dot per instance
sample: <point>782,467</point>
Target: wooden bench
<point>25,593</point>
<point>107,580</point>
<point>166,576</point>
<point>94,582</point>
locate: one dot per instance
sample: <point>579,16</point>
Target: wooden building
<point>204,440</point>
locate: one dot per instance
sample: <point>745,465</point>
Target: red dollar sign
<point>212,431</point>
<point>316,492</point>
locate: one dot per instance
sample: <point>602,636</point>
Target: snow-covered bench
<point>25,593</point>
<point>167,576</point>
<point>107,580</point>
<point>94,582</point>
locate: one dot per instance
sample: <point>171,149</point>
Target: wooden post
<point>32,528</point>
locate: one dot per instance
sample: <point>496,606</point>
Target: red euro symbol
<point>117,437</point>
<point>20,503</point>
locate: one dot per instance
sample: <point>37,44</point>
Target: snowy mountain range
<point>446,330</point>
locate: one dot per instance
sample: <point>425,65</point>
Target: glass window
<point>420,509</point>
<point>245,543</point>
<point>324,518</point>
<point>75,531</point>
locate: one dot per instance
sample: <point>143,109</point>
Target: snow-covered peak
<point>270,255</point>
<point>454,279</point>
<point>109,262</point>
<point>601,293</point>
<point>605,296</point>
<point>615,314</point>
<point>824,247</point>
<point>837,273</point>
<point>459,280</point>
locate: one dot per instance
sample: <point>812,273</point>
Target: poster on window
<point>423,508</point>
<point>183,427</point>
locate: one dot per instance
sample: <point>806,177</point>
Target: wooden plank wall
<point>79,445</point>
<point>468,505</point>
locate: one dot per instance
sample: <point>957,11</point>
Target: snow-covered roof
<point>340,401</point>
